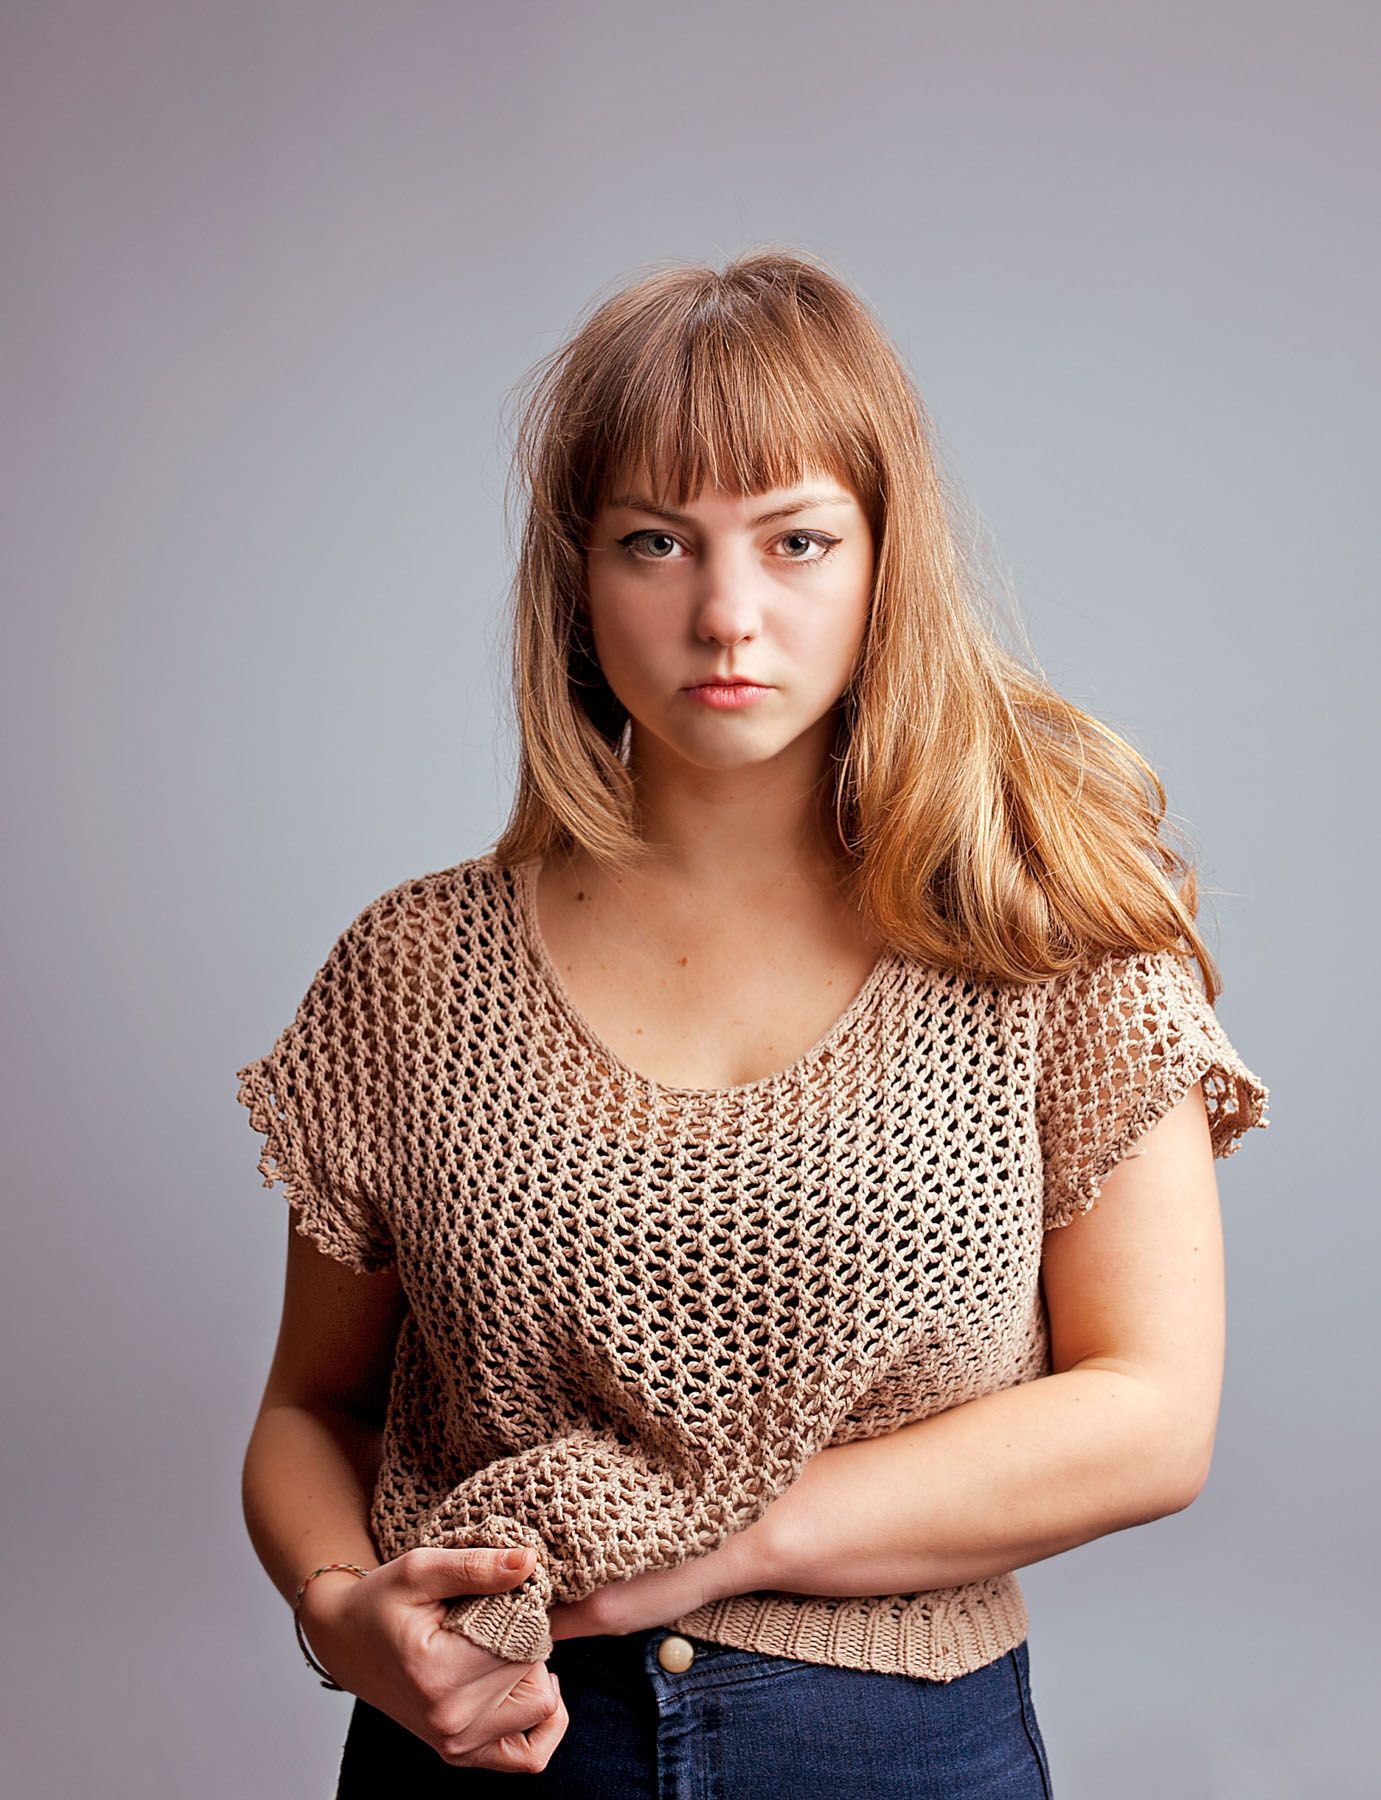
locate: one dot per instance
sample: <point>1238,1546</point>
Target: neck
<point>745,829</point>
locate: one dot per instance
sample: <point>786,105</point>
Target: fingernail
<point>514,1559</point>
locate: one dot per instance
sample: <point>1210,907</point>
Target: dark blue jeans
<point>737,1725</point>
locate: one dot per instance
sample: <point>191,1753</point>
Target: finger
<point>514,1705</point>
<point>525,1751</point>
<point>535,1693</point>
<point>542,1739</point>
<point>428,1573</point>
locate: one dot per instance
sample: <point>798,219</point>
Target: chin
<point>721,741</point>
<point>733,756</point>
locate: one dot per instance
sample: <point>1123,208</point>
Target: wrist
<point>300,1615</point>
<point>325,1593</point>
<point>754,1558</point>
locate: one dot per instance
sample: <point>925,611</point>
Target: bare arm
<point>308,1476</point>
<point>989,1486</point>
<point>309,1467</point>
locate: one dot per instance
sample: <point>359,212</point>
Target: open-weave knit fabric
<point>636,1311</point>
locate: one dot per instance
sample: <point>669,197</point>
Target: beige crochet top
<point>636,1311</point>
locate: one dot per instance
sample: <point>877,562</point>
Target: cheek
<point>855,603</point>
<point>824,639</point>
<point>632,639</point>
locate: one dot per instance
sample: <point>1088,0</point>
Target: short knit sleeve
<point>315,1097</point>
<point>1124,1036</point>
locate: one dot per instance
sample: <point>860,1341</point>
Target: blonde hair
<point>986,823</point>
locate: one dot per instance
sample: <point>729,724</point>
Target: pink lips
<point>725,694</point>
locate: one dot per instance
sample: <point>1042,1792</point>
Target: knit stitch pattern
<point>636,1311</point>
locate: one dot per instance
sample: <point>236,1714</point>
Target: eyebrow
<point>638,503</point>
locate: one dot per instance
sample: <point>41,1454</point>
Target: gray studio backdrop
<point>271,269</point>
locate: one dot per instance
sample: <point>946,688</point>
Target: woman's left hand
<point>658,1596</point>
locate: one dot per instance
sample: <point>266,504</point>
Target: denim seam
<point>1024,1700</point>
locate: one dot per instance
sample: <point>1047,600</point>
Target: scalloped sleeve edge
<point>1235,1099</point>
<point>325,1218</point>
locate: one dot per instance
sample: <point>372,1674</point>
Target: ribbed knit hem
<point>939,1635</point>
<point>514,1622</point>
<point>504,1625</point>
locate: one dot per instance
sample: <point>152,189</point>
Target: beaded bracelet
<point>312,1662</point>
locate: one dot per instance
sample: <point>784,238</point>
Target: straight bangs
<point>686,400</point>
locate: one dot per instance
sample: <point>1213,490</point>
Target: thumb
<point>436,1574</point>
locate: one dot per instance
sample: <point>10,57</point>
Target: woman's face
<point>721,588</point>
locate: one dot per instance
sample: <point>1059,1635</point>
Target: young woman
<point>696,1195</point>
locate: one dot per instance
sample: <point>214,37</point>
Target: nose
<point>728,606</point>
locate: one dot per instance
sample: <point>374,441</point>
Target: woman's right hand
<point>381,1638</point>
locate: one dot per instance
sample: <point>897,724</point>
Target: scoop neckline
<point>535,945</point>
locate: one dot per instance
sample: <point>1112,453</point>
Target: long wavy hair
<point>985,823</point>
